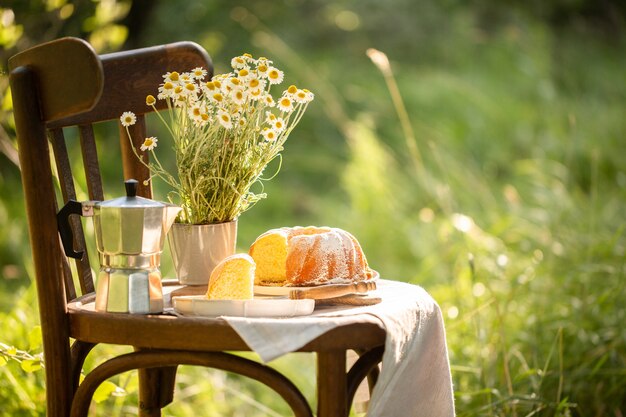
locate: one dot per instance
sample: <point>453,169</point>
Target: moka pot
<point>130,232</point>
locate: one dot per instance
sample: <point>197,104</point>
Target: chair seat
<point>196,333</point>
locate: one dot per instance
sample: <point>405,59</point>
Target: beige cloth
<point>415,375</point>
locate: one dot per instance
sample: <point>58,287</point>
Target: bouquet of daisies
<point>225,131</point>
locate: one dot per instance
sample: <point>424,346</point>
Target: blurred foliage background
<point>493,176</point>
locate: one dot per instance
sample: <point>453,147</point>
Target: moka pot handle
<point>65,229</point>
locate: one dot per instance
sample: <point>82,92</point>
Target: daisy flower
<point>198,73</point>
<point>262,70</point>
<point>255,94</point>
<point>186,77</point>
<point>208,87</point>
<point>309,95</point>
<point>269,100</point>
<point>264,61</point>
<point>255,82</point>
<point>238,96</point>
<point>291,90</point>
<point>275,76</point>
<point>128,118</point>
<point>285,104</point>
<point>166,90</point>
<point>218,97</point>
<point>301,96</point>
<point>180,100</point>
<point>150,100</point>
<point>224,118</point>
<point>243,74</point>
<point>172,77</point>
<point>270,135</point>
<point>248,58</point>
<point>238,62</point>
<point>195,112</point>
<point>269,117</point>
<point>278,124</point>
<point>149,143</point>
<point>233,83</point>
<point>190,89</point>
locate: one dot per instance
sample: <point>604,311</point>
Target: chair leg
<point>332,384</point>
<point>156,390</point>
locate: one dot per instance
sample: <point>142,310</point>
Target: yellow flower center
<point>262,68</point>
<point>217,83</point>
<point>240,60</point>
<point>196,111</point>
<point>243,73</point>
<point>292,89</point>
<point>168,86</point>
<point>178,89</point>
<point>273,74</point>
<point>210,85</point>
<point>272,117</point>
<point>198,73</point>
<point>239,95</point>
<point>174,76</point>
<point>254,83</point>
<point>128,119</point>
<point>190,86</point>
<point>302,95</point>
<point>247,55</point>
<point>279,125</point>
<point>150,100</point>
<point>218,97</point>
<point>285,102</point>
<point>148,142</point>
<point>204,116</point>
<point>225,118</point>
<point>235,81</point>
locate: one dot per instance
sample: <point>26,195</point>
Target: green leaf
<point>3,361</point>
<point>31,365</point>
<point>104,391</point>
<point>34,338</point>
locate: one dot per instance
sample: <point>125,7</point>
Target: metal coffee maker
<point>130,232</point>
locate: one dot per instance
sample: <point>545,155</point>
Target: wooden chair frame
<point>65,83</point>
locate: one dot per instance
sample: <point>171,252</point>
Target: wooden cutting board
<point>332,290</point>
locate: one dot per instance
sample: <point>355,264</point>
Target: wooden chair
<point>64,83</point>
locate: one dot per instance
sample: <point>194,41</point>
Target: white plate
<point>199,305</point>
<point>283,291</point>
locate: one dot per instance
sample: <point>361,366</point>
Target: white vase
<point>198,248</point>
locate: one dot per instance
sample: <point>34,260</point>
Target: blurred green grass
<point>515,224</point>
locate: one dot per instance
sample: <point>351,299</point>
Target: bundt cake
<point>308,256</point>
<point>232,279</point>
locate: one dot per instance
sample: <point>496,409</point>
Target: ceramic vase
<point>198,248</point>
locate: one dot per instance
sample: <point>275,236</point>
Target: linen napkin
<point>415,376</point>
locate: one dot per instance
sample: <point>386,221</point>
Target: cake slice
<point>232,279</point>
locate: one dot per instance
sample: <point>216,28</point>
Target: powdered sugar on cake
<point>327,257</point>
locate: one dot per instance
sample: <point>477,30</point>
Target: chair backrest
<point>62,84</point>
